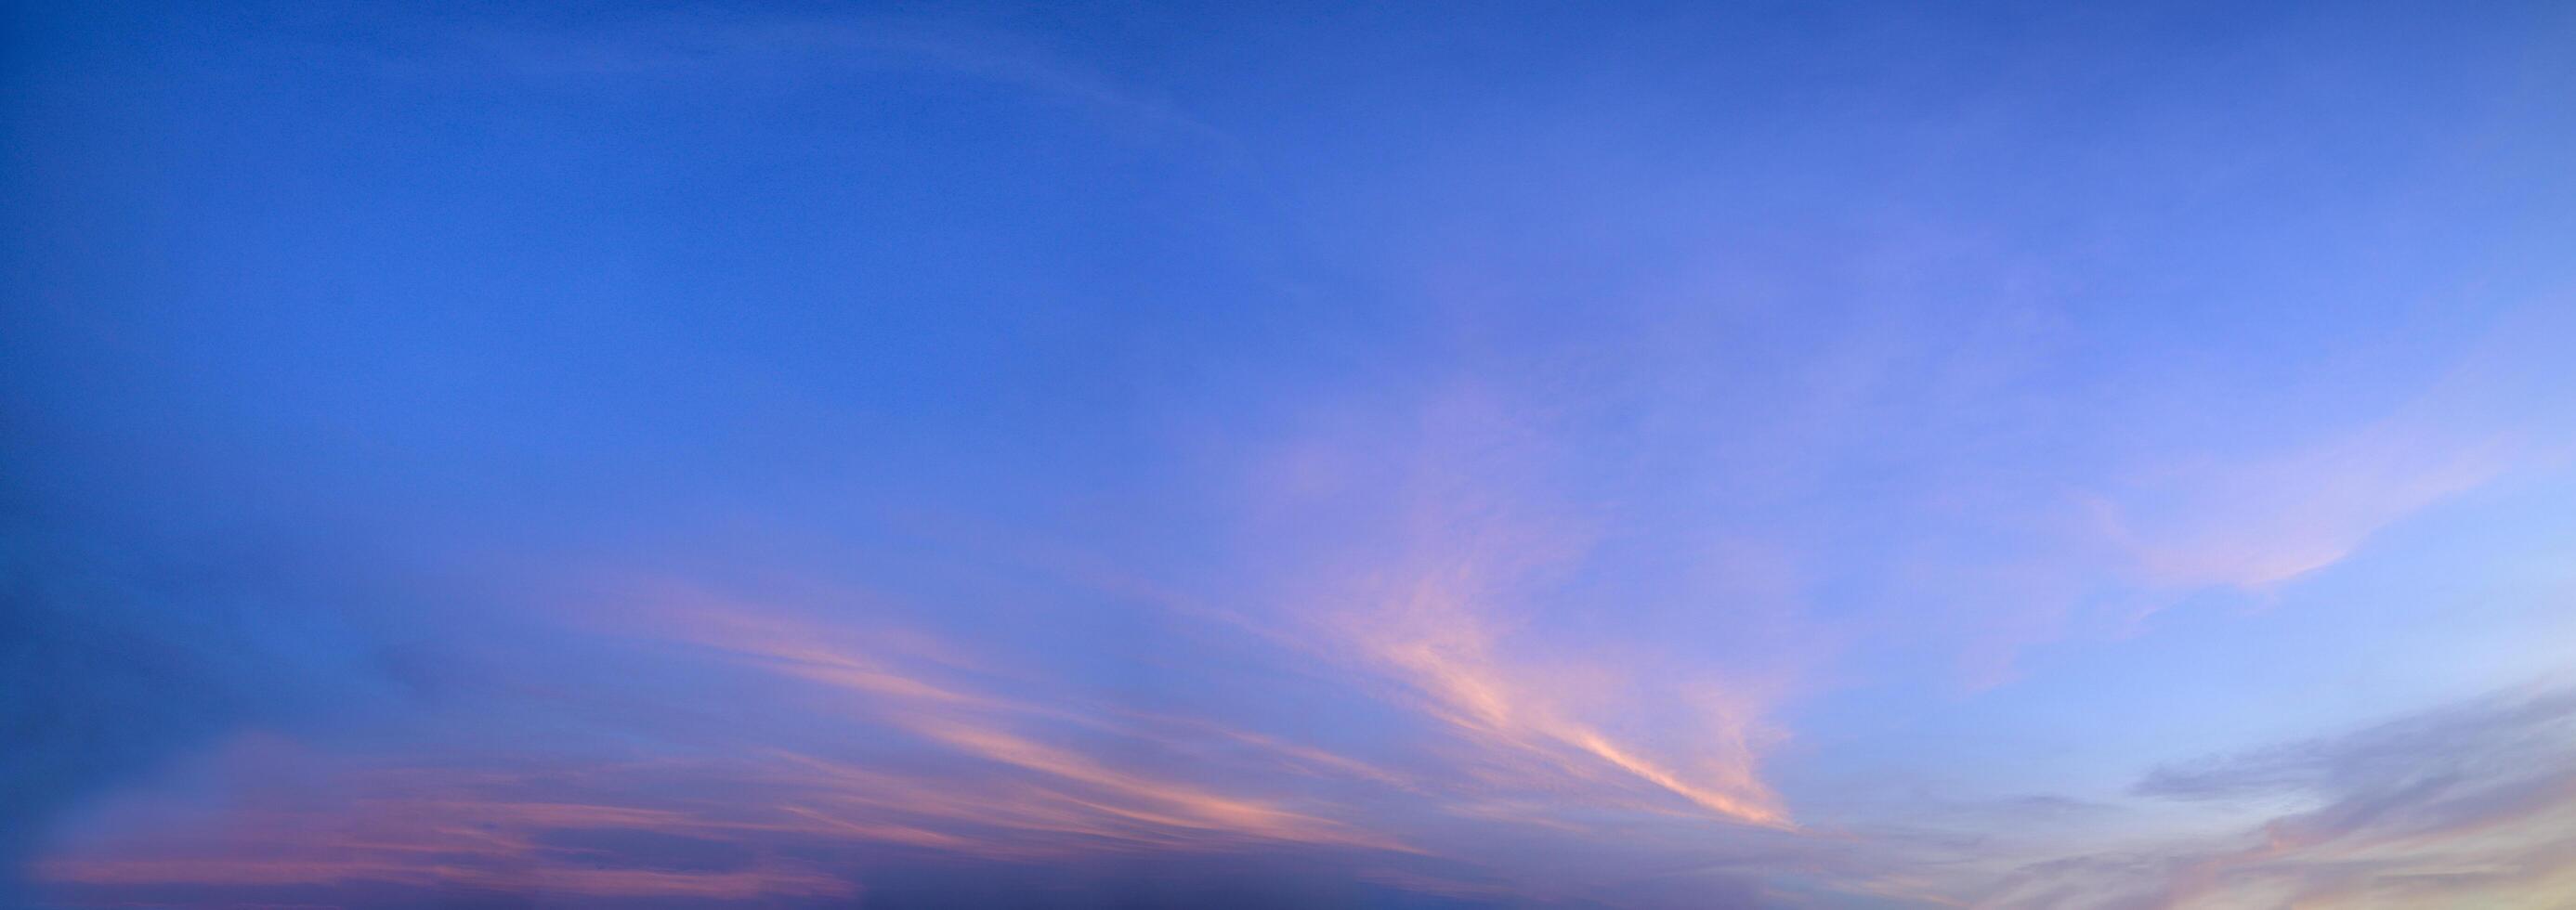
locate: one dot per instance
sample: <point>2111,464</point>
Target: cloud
<point>854,752</point>
<point>1007,731</point>
<point>303,820</point>
<point>2261,521</point>
<point>2267,521</point>
<point>1449,549</point>
<point>862,746</point>
<point>1529,717</point>
<point>2469,804</point>
<point>2171,519</point>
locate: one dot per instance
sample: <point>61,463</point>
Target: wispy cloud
<point>992,729</point>
<point>1530,718</point>
<point>983,775</point>
<point>869,740</point>
<point>1449,544</point>
<point>2257,522</point>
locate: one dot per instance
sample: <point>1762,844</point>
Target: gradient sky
<point>1408,455</point>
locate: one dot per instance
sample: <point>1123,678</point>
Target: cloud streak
<point>1432,640</point>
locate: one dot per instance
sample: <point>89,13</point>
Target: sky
<point>1415,455</point>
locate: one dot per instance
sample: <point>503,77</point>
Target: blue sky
<point>1415,455</point>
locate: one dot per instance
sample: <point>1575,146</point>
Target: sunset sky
<point>1394,455</point>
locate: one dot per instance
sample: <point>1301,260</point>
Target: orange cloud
<point>981,726</point>
<point>1450,658</point>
